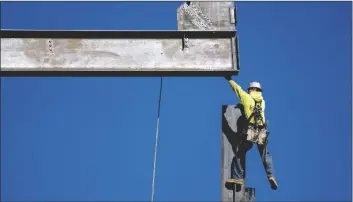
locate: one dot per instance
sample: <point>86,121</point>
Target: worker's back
<point>248,100</point>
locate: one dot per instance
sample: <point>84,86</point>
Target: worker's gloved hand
<point>228,77</point>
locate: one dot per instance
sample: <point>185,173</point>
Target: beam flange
<point>116,34</point>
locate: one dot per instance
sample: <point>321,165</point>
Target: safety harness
<point>257,114</point>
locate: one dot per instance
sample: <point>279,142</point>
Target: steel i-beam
<point>204,44</point>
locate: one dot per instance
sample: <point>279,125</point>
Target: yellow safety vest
<point>248,101</point>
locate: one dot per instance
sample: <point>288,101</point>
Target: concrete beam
<point>205,44</point>
<point>232,122</point>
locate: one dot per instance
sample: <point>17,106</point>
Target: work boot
<point>236,181</point>
<point>273,183</point>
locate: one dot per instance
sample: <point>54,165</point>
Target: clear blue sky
<point>93,138</point>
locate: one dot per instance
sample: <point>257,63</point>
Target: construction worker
<point>255,131</point>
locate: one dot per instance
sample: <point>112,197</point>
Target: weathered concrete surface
<point>117,54</point>
<point>135,55</point>
<point>232,121</point>
<point>198,15</point>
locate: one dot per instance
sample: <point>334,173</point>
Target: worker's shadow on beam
<point>236,140</point>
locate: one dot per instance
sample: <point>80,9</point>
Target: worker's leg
<point>238,164</point>
<point>266,157</point>
<point>267,161</point>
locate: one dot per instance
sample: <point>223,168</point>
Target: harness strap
<point>253,114</point>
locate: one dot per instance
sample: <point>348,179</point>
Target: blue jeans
<point>238,162</point>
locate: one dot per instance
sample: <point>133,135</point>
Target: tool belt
<point>256,135</point>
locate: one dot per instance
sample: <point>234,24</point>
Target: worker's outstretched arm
<point>237,89</point>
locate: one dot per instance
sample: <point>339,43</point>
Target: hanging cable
<point>156,144</point>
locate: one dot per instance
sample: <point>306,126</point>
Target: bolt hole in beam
<point>203,45</point>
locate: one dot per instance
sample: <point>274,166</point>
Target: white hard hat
<point>255,84</point>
